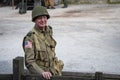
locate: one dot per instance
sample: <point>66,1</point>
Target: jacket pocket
<point>41,55</point>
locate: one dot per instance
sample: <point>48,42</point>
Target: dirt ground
<point>88,36</point>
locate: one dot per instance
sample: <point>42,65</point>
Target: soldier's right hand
<point>46,75</point>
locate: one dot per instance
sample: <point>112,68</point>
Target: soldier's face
<point>41,21</point>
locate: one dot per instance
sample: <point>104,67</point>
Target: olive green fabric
<point>39,11</point>
<point>41,56</point>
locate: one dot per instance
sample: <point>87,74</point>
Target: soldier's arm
<point>28,45</point>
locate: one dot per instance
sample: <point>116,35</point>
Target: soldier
<point>39,46</point>
<point>65,4</point>
<point>50,4</point>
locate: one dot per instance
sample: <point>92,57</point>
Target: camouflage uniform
<point>39,48</point>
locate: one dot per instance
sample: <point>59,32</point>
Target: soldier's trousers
<point>49,3</point>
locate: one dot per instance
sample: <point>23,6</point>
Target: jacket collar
<point>40,29</point>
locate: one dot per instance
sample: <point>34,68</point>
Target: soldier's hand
<point>46,75</point>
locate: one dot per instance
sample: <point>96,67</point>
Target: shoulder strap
<point>36,40</point>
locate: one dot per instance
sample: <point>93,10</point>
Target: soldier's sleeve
<point>29,47</point>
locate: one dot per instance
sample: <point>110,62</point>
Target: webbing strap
<point>36,40</point>
<point>41,38</point>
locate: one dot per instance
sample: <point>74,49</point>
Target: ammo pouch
<point>58,65</point>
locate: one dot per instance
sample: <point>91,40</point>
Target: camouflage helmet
<point>39,11</point>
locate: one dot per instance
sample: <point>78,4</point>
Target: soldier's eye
<point>45,17</point>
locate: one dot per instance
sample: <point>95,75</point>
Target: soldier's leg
<point>47,3</point>
<point>52,4</point>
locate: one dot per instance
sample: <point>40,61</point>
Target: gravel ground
<point>88,37</point>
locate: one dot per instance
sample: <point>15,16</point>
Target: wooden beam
<point>39,77</point>
<point>18,68</point>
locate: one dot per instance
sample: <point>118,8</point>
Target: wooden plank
<point>38,77</point>
<point>76,74</point>
<point>112,76</point>
<point>69,78</point>
<point>80,74</point>
<point>6,77</point>
<point>28,77</point>
<point>87,75</point>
